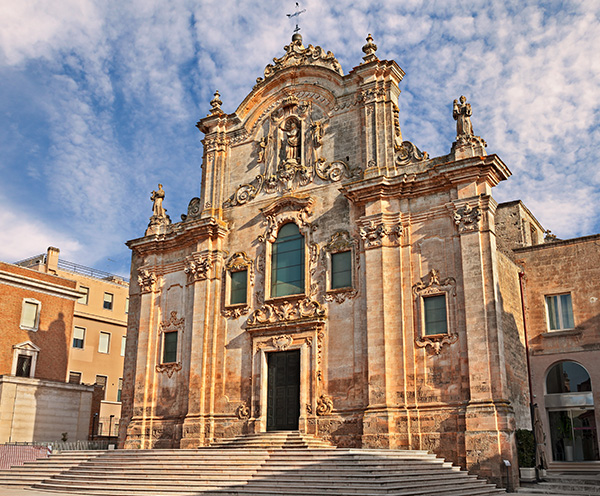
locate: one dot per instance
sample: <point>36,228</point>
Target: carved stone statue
<point>262,146</point>
<point>291,142</point>
<point>158,197</point>
<point>462,115</point>
<point>159,220</point>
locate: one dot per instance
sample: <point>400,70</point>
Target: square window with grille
<point>560,312</point>
<point>436,319</point>
<point>120,389</point>
<point>75,377</point>
<point>102,380</point>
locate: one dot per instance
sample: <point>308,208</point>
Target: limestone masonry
<point>333,278</point>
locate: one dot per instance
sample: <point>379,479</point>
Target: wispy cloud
<point>108,94</point>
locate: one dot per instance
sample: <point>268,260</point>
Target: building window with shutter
<point>108,301</point>
<point>104,342</point>
<point>78,337</point>
<point>83,300</point>
<point>30,314</point>
<point>101,380</point>
<point>75,377</point>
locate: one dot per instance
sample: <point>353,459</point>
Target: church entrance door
<point>283,395</point>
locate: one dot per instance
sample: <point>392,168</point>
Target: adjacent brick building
<point>36,325</point>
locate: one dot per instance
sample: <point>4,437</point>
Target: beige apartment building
<point>99,331</point>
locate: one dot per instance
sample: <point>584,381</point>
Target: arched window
<point>567,377</point>
<point>287,262</point>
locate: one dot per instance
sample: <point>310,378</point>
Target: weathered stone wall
<point>41,410</point>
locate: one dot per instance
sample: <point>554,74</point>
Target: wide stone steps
<point>567,483</point>
<point>276,466</point>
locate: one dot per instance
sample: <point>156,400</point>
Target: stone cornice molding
<point>180,234</point>
<point>417,181</point>
<point>21,281</point>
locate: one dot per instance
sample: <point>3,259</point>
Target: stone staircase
<point>267,465</point>
<point>568,479</point>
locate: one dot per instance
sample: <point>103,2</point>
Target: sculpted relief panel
<point>289,151</point>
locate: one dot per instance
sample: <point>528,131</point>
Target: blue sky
<point>99,101</point>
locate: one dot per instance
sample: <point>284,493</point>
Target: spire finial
<point>297,36</point>
<point>216,103</point>
<point>370,48</point>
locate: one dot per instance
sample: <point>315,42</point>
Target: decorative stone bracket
<point>146,280</point>
<point>169,368</point>
<point>201,266</point>
<point>381,230</point>
<point>467,218</point>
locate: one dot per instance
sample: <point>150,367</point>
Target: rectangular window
<point>170,347</point>
<point>126,305</point>
<point>75,377</point>
<point>108,301</point>
<point>239,287</point>
<point>104,342</point>
<point>436,321</point>
<point>123,343</point>
<point>341,270</point>
<point>101,380</point>
<point>120,389</point>
<point>78,337</point>
<point>84,299</point>
<point>30,315</point>
<point>560,312</point>
<point>23,366</point>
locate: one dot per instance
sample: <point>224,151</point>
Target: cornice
<point>181,234</point>
<point>20,281</point>
<point>440,177</point>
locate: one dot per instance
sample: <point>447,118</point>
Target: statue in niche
<point>462,115</point>
<point>262,148</point>
<point>157,197</point>
<point>291,141</point>
<point>317,129</point>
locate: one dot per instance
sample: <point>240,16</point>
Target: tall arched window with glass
<point>287,262</point>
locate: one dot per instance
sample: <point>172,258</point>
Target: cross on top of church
<point>297,14</point>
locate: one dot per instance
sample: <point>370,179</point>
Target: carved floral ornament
<point>375,233</point>
<point>243,411</point>
<point>296,55</point>
<point>196,268</point>
<point>286,209</point>
<point>168,368</point>
<point>324,405</point>
<point>286,312</point>
<point>172,323</point>
<point>467,218</point>
<point>146,280</point>
<point>434,286</point>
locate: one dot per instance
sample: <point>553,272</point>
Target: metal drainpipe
<point>531,409</point>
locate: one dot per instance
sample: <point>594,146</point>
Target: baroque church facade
<point>332,279</point>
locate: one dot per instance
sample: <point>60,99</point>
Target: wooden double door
<point>283,395</point>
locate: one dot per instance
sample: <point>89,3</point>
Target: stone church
<point>333,279</point>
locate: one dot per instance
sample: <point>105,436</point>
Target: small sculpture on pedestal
<point>159,220</point>
<point>466,144</point>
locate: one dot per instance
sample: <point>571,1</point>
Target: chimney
<point>52,260</point>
